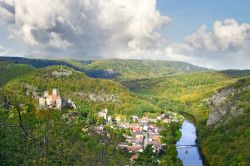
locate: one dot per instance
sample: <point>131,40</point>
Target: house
<point>134,157</point>
<point>51,101</point>
<point>156,138</point>
<point>156,145</point>
<point>135,127</point>
<point>103,113</point>
<point>135,118</point>
<point>166,120</point>
<point>154,129</point>
<point>144,121</point>
<point>110,119</point>
<point>124,125</point>
<point>135,148</point>
<point>145,127</point>
<point>100,129</point>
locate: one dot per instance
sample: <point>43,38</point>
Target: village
<point>142,131</point>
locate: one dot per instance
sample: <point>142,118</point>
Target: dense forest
<point>9,71</point>
<point>227,142</point>
<point>182,92</point>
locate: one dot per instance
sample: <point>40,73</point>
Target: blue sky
<point>188,15</point>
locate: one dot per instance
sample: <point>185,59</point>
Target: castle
<point>51,101</point>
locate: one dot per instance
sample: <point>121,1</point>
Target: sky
<point>213,34</point>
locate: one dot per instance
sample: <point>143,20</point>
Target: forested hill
<point>115,68</point>
<point>138,69</point>
<point>236,73</point>
<point>225,141</point>
<point>25,129</point>
<point>9,71</point>
<point>183,92</point>
<point>92,94</point>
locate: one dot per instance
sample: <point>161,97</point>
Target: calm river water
<point>189,155</point>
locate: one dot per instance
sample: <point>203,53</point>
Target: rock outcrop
<point>224,105</point>
<point>103,97</point>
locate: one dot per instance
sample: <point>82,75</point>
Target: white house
<point>103,113</point>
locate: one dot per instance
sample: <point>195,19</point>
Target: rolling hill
<point>183,92</point>
<point>117,69</point>
<point>138,69</point>
<point>93,94</point>
<point>9,71</point>
<point>225,139</point>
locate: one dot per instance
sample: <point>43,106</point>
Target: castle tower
<point>55,92</point>
<point>58,103</point>
<point>46,94</point>
<point>42,102</point>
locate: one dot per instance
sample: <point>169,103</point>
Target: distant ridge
<point>236,73</point>
<point>114,68</point>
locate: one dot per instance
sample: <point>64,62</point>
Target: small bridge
<point>185,146</point>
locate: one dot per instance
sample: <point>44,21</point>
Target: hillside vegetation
<point>116,69</point>
<point>47,137</point>
<point>80,88</point>
<point>183,92</point>
<point>9,71</point>
<point>227,141</point>
<point>138,69</point>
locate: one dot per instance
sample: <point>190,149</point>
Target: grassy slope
<point>70,86</point>
<point>9,71</point>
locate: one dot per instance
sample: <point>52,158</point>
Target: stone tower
<point>55,92</point>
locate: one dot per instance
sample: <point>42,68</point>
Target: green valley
<point>133,92</point>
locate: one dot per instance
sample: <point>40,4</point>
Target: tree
<point>148,157</point>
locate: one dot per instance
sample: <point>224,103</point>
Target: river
<point>189,155</point>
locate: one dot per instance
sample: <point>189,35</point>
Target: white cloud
<point>100,27</point>
<point>7,51</point>
<point>228,35</point>
<point>57,42</point>
<point>227,45</point>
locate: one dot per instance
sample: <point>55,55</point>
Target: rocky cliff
<point>225,103</point>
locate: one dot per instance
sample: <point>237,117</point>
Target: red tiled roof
<point>134,148</point>
<point>134,157</point>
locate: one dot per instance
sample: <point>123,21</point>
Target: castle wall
<point>51,100</point>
